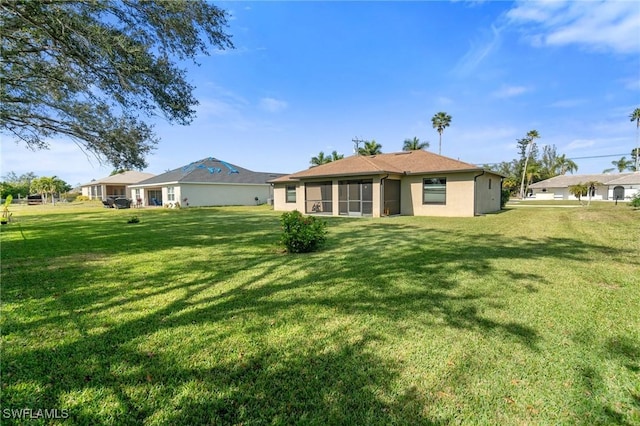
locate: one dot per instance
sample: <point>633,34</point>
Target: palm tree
<point>623,164</point>
<point>578,190</point>
<point>370,148</point>
<point>320,159</point>
<point>564,165</point>
<point>440,121</point>
<point>591,189</point>
<point>335,156</point>
<point>414,144</point>
<point>635,116</point>
<point>532,135</point>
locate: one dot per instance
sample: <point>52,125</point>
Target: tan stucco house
<point>206,182</point>
<point>609,186</point>
<point>414,183</point>
<point>114,186</point>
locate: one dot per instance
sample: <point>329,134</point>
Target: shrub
<point>134,219</point>
<point>82,198</point>
<point>302,234</point>
<point>504,197</point>
<point>635,201</point>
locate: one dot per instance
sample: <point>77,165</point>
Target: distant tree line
<point>532,164</point>
<point>20,186</point>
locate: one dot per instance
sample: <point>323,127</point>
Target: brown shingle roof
<point>409,162</point>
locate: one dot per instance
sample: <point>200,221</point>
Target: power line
<point>597,156</point>
<point>578,158</point>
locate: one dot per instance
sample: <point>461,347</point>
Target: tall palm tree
<point>564,165</point>
<point>623,164</point>
<point>635,116</point>
<point>440,121</point>
<point>335,156</point>
<point>532,135</point>
<point>414,144</point>
<point>320,159</point>
<point>370,148</point>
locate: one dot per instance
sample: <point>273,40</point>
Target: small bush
<point>302,234</point>
<point>82,198</point>
<point>134,219</point>
<point>635,201</point>
<point>504,197</point>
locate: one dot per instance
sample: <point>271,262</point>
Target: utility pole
<point>356,143</point>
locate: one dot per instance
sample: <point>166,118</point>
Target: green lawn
<point>196,316</point>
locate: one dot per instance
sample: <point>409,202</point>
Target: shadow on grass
<point>400,275</point>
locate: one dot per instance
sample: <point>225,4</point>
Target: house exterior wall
<point>280,194</point>
<point>280,197</point>
<point>602,193</point>
<point>221,194</point>
<point>467,194</point>
<point>95,192</point>
<point>459,196</point>
<point>629,191</point>
<point>487,193</point>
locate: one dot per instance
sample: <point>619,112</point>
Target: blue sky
<point>311,76</point>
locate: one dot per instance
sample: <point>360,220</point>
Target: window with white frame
<point>171,194</point>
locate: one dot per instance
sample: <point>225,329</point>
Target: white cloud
<point>510,91</point>
<point>580,143</point>
<point>443,100</point>
<point>478,52</point>
<point>632,83</point>
<point>568,103</point>
<point>272,105</point>
<point>596,25</point>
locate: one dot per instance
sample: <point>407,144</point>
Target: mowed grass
<point>196,316</point>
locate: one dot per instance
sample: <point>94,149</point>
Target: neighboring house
<point>113,186</point>
<point>414,183</point>
<point>615,187</point>
<point>207,182</point>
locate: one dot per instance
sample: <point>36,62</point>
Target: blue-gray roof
<point>211,170</point>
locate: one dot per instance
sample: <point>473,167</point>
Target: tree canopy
<point>440,121</point>
<point>49,185</point>
<point>370,148</point>
<point>88,70</point>
<point>539,165</point>
<point>414,144</point>
<point>321,158</point>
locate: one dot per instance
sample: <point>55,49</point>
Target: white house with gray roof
<point>113,186</point>
<point>613,187</point>
<point>207,182</point>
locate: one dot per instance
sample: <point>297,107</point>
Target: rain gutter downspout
<point>475,190</point>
